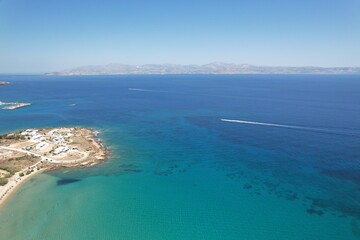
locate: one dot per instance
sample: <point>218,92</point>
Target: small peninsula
<point>27,152</point>
<point>12,105</point>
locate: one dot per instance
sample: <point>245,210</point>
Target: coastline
<point>7,193</point>
<point>16,181</point>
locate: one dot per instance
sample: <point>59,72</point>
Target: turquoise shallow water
<point>178,172</point>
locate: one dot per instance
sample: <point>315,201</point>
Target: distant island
<point>4,83</point>
<point>211,68</point>
<point>27,152</point>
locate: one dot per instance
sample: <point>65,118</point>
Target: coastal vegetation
<point>12,136</point>
<point>3,181</point>
<point>10,170</point>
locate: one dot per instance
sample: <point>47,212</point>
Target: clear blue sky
<point>47,35</point>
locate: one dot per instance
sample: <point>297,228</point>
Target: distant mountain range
<point>211,68</point>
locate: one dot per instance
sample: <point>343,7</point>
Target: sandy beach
<point>14,184</point>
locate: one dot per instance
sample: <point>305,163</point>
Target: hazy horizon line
<point>213,62</point>
<point>178,64</point>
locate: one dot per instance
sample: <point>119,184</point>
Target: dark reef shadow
<point>65,181</point>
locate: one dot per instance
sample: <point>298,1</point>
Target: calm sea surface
<point>178,172</point>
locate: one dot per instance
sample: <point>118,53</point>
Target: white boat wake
<point>140,89</point>
<point>273,125</point>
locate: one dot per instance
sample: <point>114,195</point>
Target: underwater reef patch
<point>65,181</point>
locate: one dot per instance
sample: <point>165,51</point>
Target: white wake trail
<point>140,89</point>
<point>272,124</point>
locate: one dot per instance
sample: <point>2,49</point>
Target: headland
<point>12,105</point>
<point>27,152</point>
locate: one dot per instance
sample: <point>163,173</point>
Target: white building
<point>41,145</point>
<point>60,150</point>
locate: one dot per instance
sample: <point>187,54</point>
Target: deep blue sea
<point>286,168</point>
